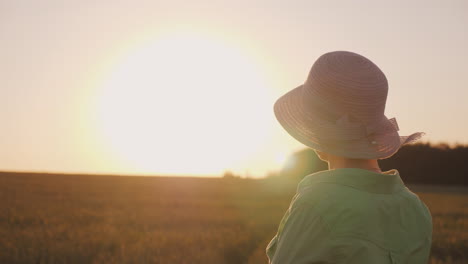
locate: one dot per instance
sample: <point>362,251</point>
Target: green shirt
<point>352,215</point>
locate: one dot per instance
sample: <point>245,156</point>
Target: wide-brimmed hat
<point>340,109</point>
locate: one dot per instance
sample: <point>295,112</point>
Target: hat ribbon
<point>384,126</point>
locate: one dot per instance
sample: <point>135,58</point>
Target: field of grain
<point>112,219</point>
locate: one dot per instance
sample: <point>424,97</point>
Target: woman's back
<point>353,216</point>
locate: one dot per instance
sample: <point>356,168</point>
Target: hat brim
<point>289,111</point>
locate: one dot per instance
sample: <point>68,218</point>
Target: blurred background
<point>187,87</point>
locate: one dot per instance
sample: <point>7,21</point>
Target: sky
<point>188,87</point>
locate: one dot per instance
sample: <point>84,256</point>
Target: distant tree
<point>417,163</point>
<point>302,163</point>
<point>230,175</point>
<point>424,163</point>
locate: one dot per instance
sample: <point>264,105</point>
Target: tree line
<point>417,163</point>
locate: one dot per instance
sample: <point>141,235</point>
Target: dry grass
<point>103,219</point>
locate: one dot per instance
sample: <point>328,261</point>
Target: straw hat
<point>340,109</point>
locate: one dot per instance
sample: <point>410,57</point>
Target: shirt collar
<point>386,182</point>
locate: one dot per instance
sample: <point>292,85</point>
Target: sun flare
<point>185,104</point>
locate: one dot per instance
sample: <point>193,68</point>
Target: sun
<point>184,104</point>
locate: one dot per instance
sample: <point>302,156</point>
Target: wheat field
<point>123,219</point>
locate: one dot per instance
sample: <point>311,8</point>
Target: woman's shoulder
<point>316,195</point>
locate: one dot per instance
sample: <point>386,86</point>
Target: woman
<point>353,212</point>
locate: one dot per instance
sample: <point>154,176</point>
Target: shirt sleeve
<point>304,238</point>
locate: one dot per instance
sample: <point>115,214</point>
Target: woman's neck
<point>335,162</point>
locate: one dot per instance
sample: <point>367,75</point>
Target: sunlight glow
<point>281,158</point>
<point>184,104</point>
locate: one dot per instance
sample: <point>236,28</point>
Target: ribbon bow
<point>383,127</point>
<point>354,130</point>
